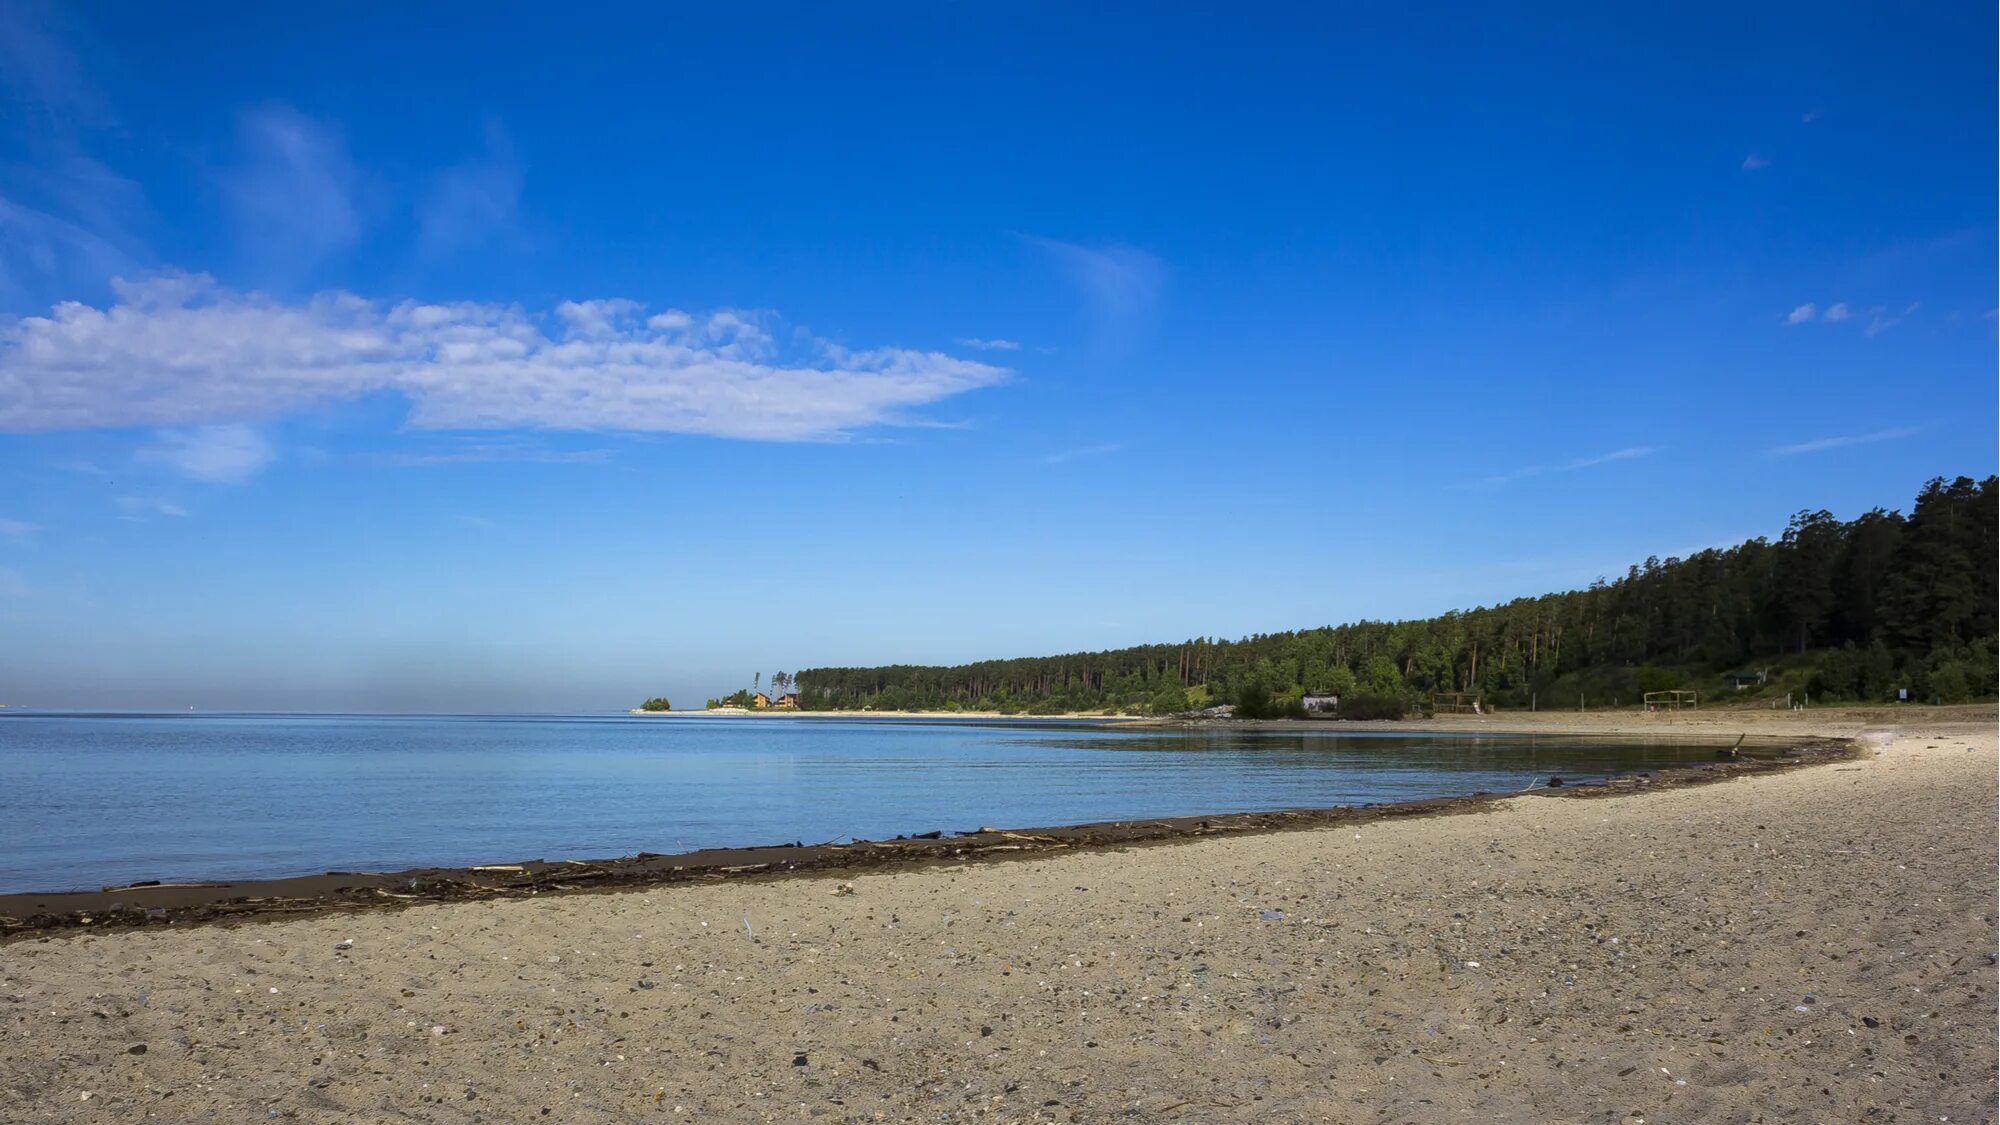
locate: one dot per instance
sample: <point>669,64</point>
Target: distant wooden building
<point>1741,680</point>
<point>760,701</point>
<point>789,701</point>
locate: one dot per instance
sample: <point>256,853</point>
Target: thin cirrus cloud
<point>1753,163</point>
<point>181,350</point>
<point>293,189</point>
<point>1119,284</point>
<point>65,222</point>
<point>470,202</point>
<point>486,452</point>
<point>989,345</point>
<point>1880,319</point>
<point>140,507</point>
<point>1067,455</point>
<point>219,454</point>
<point>1820,445</point>
<point>1616,455</point>
<point>17,529</point>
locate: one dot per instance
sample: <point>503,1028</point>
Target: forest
<point>1831,611</point>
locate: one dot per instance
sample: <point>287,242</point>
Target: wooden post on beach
<point>1531,701</point>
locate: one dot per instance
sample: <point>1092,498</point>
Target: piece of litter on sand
<point>344,943</point>
<point>1271,915</point>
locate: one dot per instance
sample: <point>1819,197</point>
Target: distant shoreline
<point>1624,720</point>
<point>792,713</point>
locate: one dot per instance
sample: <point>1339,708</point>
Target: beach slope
<point>1809,945</point>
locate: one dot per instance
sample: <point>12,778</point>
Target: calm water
<point>90,800</point>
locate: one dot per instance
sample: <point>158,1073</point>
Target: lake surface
<point>92,800</point>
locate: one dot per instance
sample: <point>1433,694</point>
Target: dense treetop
<point>1831,610</point>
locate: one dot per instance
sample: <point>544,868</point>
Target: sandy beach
<point>1815,944</point>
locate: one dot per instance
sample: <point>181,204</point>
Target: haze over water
<point>93,800</point>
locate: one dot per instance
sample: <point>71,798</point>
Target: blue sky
<point>363,359</point>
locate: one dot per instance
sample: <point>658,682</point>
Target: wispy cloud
<point>989,345</point>
<point>139,507</point>
<point>1808,117</point>
<point>486,452</point>
<point>469,202</point>
<point>181,350</point>
<point>1818,445</point>
<point>17,529</point>
<point>66,222</point>
<point>1753,162</point>
<point>1067,455</point>
<point>221,454</point>
<point>46,76</point>
<point>1120,284</point>
<point>1880,320</point>
<point>1628,454</point>
<point>292,189</point>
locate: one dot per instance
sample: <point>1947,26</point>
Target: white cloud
<point>989,345</point>
<point>1808,117</point>
<point>223,454</point>
<point>1837,313</point>
<point>1801,314</point>
<point>1819,444</point>
<point>17,529</point>
<point>1616,455</point>
<point>181,350</point>
<point>293,192</point>
<point>468,203</point>
<point>1753,162</point>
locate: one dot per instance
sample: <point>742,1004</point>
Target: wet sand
<point>1638,956</point>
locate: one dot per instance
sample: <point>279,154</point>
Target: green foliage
<point>1840,611</point>
<point>657,703</point>
<point>1658,679</point>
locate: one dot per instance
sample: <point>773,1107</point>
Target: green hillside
<point>1831,610</point>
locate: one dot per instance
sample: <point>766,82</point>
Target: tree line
<point>1830,611</point>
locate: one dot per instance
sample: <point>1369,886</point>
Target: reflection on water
<point>88,800</point>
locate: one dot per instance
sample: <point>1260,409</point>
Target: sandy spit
<point>1812,945</point>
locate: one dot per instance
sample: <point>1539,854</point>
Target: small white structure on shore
<point>1323,703</point>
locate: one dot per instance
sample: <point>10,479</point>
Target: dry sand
<point>1815,945</point>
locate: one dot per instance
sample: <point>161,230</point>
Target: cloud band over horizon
<point>182,349</point>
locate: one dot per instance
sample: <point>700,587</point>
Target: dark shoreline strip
<point>155,904</point>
